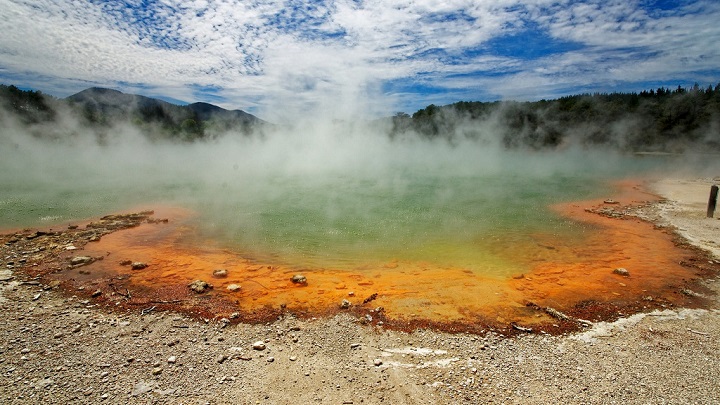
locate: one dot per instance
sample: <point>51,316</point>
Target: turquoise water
<point>343,205</point>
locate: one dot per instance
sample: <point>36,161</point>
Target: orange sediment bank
<point>565,279</point>
<point>663,271</point>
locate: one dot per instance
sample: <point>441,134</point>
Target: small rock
<point>141,388</point>
<point>138,265</point>
<point>157,371</point>
<point>293,358</point>
<point>259,345</point>
<point>126,262</point>
<point>199,286</point>
<point>270,359</point>
<point>80,260</point>
<point>299,279</point>
<point>354,345</point>
<point>97,293</point>
<point>622,272</point>
<point>172,359</point>
<point>221,358</point>
<point>377,362</point>
<point>345,304</point>
<point>220,273</point>
<point>234,287</point>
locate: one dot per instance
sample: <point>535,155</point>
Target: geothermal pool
<point>428,233</point>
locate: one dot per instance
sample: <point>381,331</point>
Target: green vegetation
<point>655,120</point>
<point>99,110</point>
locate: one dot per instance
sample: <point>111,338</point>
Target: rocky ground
<point>59,348</point>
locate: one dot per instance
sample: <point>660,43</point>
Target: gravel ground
<point>56,348</point>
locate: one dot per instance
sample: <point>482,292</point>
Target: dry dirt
<point>59,348</point>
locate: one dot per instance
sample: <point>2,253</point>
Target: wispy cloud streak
<point>284,58</point>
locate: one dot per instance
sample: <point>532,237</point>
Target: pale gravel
<point>60,349</point>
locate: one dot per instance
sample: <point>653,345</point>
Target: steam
<point>65,171</point>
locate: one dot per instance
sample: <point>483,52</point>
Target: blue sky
<point>285,59</point>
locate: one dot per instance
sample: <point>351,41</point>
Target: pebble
<point>79,260</point>
<point>138,265</point>
<point>234,287</point>
<point>172,359</point>
<point>299,279</point>
<point>621,272</point>
<point>199,286</point>
<point>377,362</point>
<point>157,371</point>
<point>220,273</point>
<point>259,345</point>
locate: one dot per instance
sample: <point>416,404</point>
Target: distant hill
<point>102,106</point>
<point>660,120</point>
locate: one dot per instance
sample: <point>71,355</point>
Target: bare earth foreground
<point>56,348</point>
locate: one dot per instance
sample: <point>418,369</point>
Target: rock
<point>221,358</point>
<point>377,362</point>
<point>270,359</point>
<point>81,260</point>
<point>345,304</point>
<point>259,345</point>
<point>622,272</point>
<point>157,371</point>
<point>172,359</point>
<point>138,265</point>
<point>220,273</point>
<point>97,293</point>
<point>234,287</point>
<point>199,286</point>
<point>6,275</point>
<point>299,279</point>
<point>141,388</point>
<point>293,358</point>
<point>126,262</point>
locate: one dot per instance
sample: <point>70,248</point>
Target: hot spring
<point>436,231</point>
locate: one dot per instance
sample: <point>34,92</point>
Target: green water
<point>344,206</point>
<point>442,220</point>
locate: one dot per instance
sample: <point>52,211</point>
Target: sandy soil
<point>56,348</point>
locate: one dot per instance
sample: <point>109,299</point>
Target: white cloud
<point>291,56</point>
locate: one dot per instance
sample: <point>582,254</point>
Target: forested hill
<point>99,110</point>
<point>667,120</point>
<point>654,120</point>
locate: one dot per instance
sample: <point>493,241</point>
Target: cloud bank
<point>282,59</point>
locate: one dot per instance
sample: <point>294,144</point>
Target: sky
<point>283,59</point>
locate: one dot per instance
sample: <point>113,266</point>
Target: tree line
<point>660,119</point>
